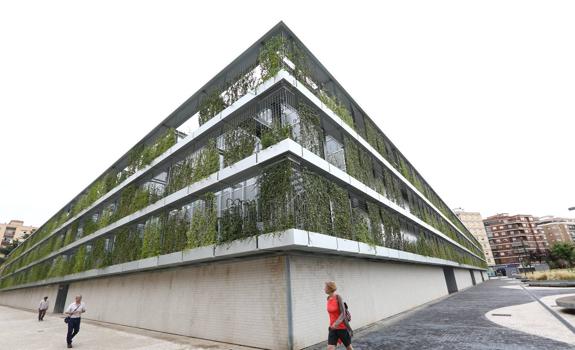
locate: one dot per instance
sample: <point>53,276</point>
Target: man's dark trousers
<point>73,329</point>
<point>41,314</point>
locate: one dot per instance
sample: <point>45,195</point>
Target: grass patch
<point>553,275</point>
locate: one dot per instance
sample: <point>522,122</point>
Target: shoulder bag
<point>67,318</point>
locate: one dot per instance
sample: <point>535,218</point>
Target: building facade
<point>557,229</point>
<point>474,223</point>
<point>14,230</point>
<point>514,239</point>
<point>285,183</point>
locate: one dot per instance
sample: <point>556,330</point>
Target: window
<point>334,152</point>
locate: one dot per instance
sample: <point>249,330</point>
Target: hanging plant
<point>313,212</point>
<point>210,106</point>
<point>336,107</point>
<point>392,229</point>
<point>311,137</point>
<point>231,223</point>
<point>89,226</point>
<point>240,86</point>
<point>271,56</point>
<point>275,134</point>
<point>174,231</point>
<point>98,254</point>
<point>276,197</point>
<point>239,142</point>
<point>181,175</point>
<point>58,267</point>
<point>79,260</point>
<point>207,162</point>
<point>375,223</point>
<point>127,246</point>
<point>250,218</point>
<point>361,227</point>
<point>341,214</point>
<point>152,240</point>
<point>203,229</point>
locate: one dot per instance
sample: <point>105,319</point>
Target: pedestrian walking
<point>74,311</point>
<point>339,329</point>
<point>42,308</point>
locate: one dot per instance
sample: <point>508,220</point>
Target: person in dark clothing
<point>74,311</point>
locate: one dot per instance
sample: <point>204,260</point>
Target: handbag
<point>347,315</point>
<point>67,318</point>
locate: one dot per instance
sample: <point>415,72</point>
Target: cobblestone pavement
<point>458,322</point>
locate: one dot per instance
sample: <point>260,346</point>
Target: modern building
<point>229,232</point>
<point>14,230</point>
<point>557,229</point>
<point>514,239</point>
<point>474,223</point>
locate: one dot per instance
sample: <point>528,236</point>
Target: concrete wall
<point>241,301</point>
<point>237,301</point>
<point>373,290</point>
<point>29,298</point>
<point>477,275</point>
<point>463,278</point>
<point>245,301</point>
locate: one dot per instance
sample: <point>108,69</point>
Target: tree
<point>564,251</point>
<point>10,247</point>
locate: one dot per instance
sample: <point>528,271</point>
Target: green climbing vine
<point>211,105</point>
<point>152,241</point>
<point>127,245</point>
<point>273,54</point>
<point>239,142</point>
<point>311,137</point>
<point>79,260</point>
<point>203,229</point>
<point>358,163</point>
<point>313,203</point>
<point>337,107</point>
<point>276,196</point>
<point>361,227</point>
<point>375,223</point>
<point>176,224</point>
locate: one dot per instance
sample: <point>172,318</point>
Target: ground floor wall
<point>270,302</point>
<point>236,301</point>
<point>373,290</point>
<point>478,276</point>
<point>29,298</point>
<point>463,278</point>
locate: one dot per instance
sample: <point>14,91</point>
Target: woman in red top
<point>338,328</point>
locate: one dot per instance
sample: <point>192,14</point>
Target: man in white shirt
<point>42,308</point>
<point>74,311</point>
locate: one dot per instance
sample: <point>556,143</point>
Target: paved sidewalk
<point>459,322</point>
<point>20,330</point>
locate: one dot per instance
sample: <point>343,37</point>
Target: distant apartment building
<point>557,229</point>
<point>474,223</point>
<point>14,230</point>
<point>514,238</point>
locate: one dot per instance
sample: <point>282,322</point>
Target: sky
<point>479,96</point>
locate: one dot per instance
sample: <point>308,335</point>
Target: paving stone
<point>457,322</point>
